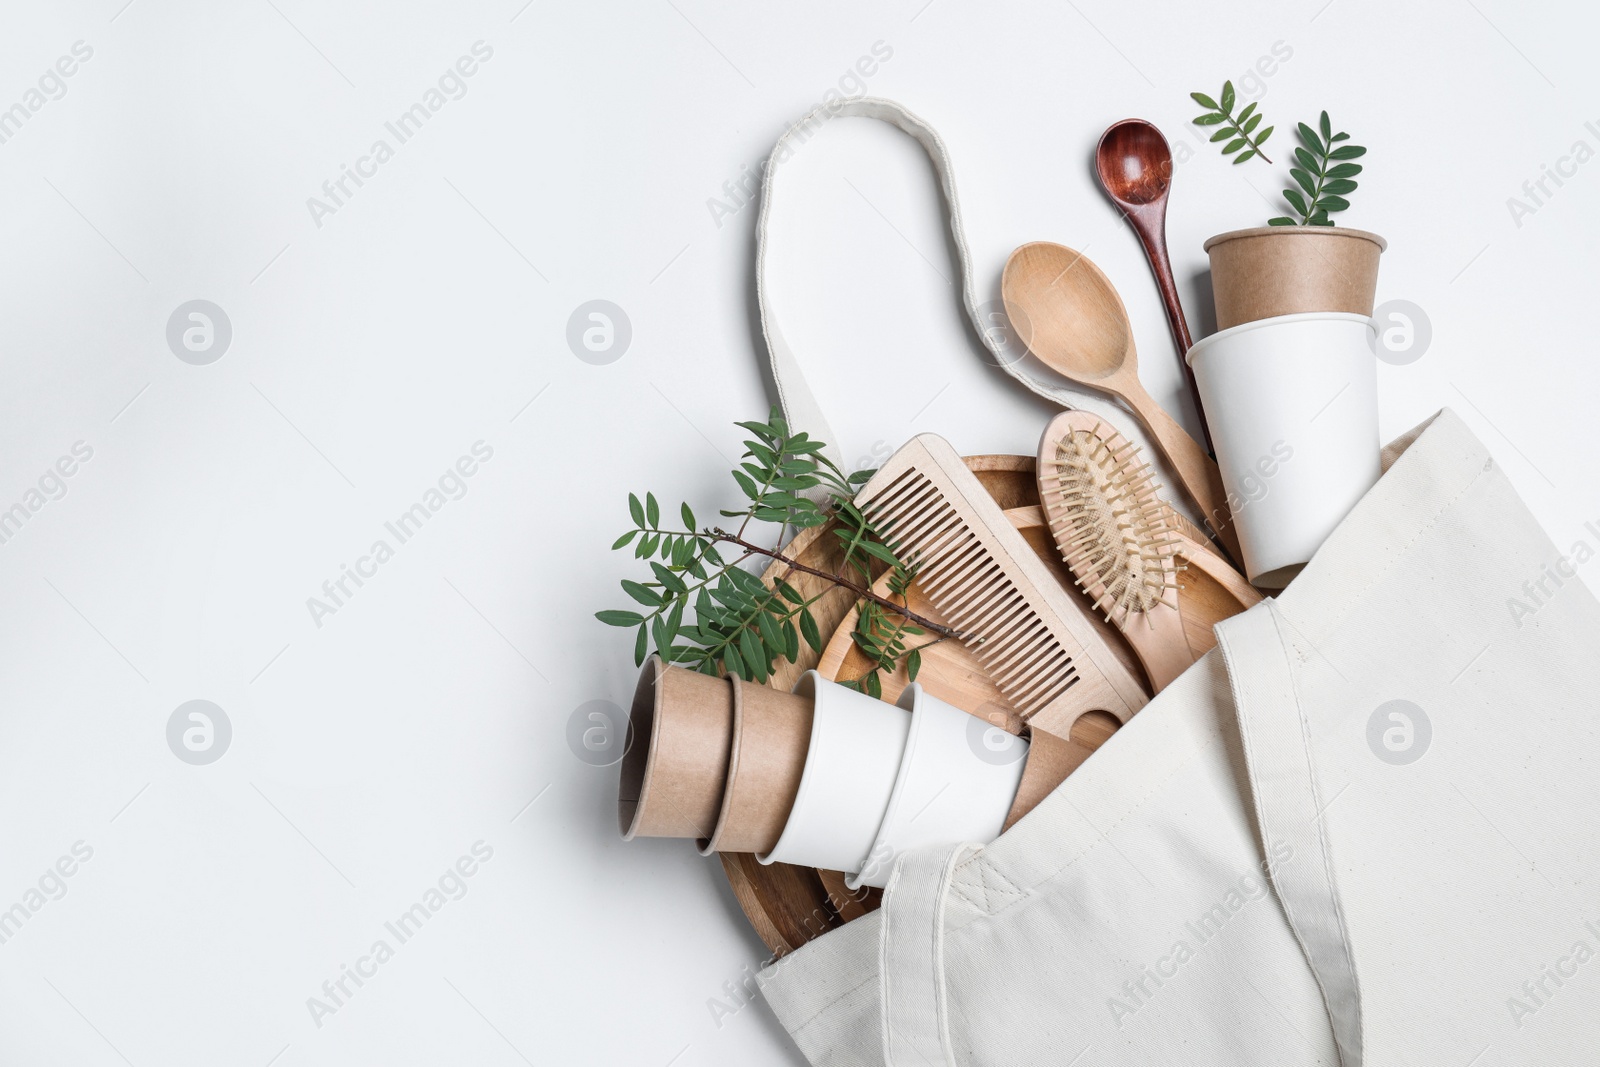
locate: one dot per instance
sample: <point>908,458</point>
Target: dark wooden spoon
<point>1134,165</point>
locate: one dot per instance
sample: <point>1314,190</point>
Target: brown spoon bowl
<point>1134,162</point>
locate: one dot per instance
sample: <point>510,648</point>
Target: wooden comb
<point>986,582</point>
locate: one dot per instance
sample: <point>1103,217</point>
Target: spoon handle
<point>1198,472</point>
<point>1150,224</point>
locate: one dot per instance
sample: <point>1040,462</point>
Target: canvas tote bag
<point>1360,831</point>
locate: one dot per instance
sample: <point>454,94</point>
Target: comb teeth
<point>972,591</point>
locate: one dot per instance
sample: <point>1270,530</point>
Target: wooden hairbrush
<point>1116,535</point>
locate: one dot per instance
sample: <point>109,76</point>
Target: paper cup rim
<point>655,675</point>
<point>1325,231</point>
<point>1276,320</point>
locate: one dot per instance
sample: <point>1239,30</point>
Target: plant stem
<point>837,579</point>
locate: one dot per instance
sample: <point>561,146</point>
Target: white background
<point>429,312</point>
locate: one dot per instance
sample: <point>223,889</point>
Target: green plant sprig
<point>881,637</point>
<point>1240,128</point>
<point>1324,176</point>
<point>739,623</point>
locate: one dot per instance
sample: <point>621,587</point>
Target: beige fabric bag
<point>1406,741</point>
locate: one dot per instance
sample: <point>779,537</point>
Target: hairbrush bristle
<point>1112,528</point>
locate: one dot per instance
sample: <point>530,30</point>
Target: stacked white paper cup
<point>1292,405</point>
<point>956,782</point>
<point>883,778</point>
<point>856,745</point>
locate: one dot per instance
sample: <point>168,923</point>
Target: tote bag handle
<point>799,403</point>
<point>1290,808</point>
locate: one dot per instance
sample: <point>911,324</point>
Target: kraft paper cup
<point>954,785</point>
<point>1270,271</point>
<point>673,773</point>
<point>1293,407</point>
<point>856,745</point>
<point>771,734</point>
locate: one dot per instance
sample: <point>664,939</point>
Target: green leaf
<point>1223,134</point>
<point>1234,146</point>
<point>1242,156</point>
<point>1327,130</point>
<point>1250,124</point>
<point>1249,109</point>
<point>1204,101</point>
<point>652,510</point>
<point>1226,103</point>
<point>791,642</point>
<point>619,618</point>
<point>641,646</point>
<point>1344,170</point>
<point>735,664</point>
<point>873,685</point>
<point>668,579</point>
<point>1307,160</point>
<point>1349,151</point>
<point>648,597</point>
<point>1336,138</point>
<point>623,540</point>
<point>808,630</point>
<point>1332,203</point>
<point>1305,180</point>
<point>1261,138</point>
<point>1339,186</point>
<point>748,582</point>
<point>1309,136</point>
<point>636,509</point>
<point>913,664</point>
<point>877,551</point>
<point>1296,201</point>
<point>1211,118</point>
<point>746,484</point>
<point>752,655</point>
<point>771,635</point>
<point>1281,221</point>
<point>688,517</point>
<point>674,622</point>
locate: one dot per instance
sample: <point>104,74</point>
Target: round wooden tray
<point>789,905</point>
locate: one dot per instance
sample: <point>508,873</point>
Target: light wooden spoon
<point>1071,317</point>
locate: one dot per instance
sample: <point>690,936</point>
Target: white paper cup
<point>956,783</point>
<point>1292,404</point>
<point>856,745</point>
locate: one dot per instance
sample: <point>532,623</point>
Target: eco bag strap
<point>799,403</point>
<point>1289,809</point>
<point>916,1026</point>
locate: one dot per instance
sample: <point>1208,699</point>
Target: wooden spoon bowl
<point>1134,163</point>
